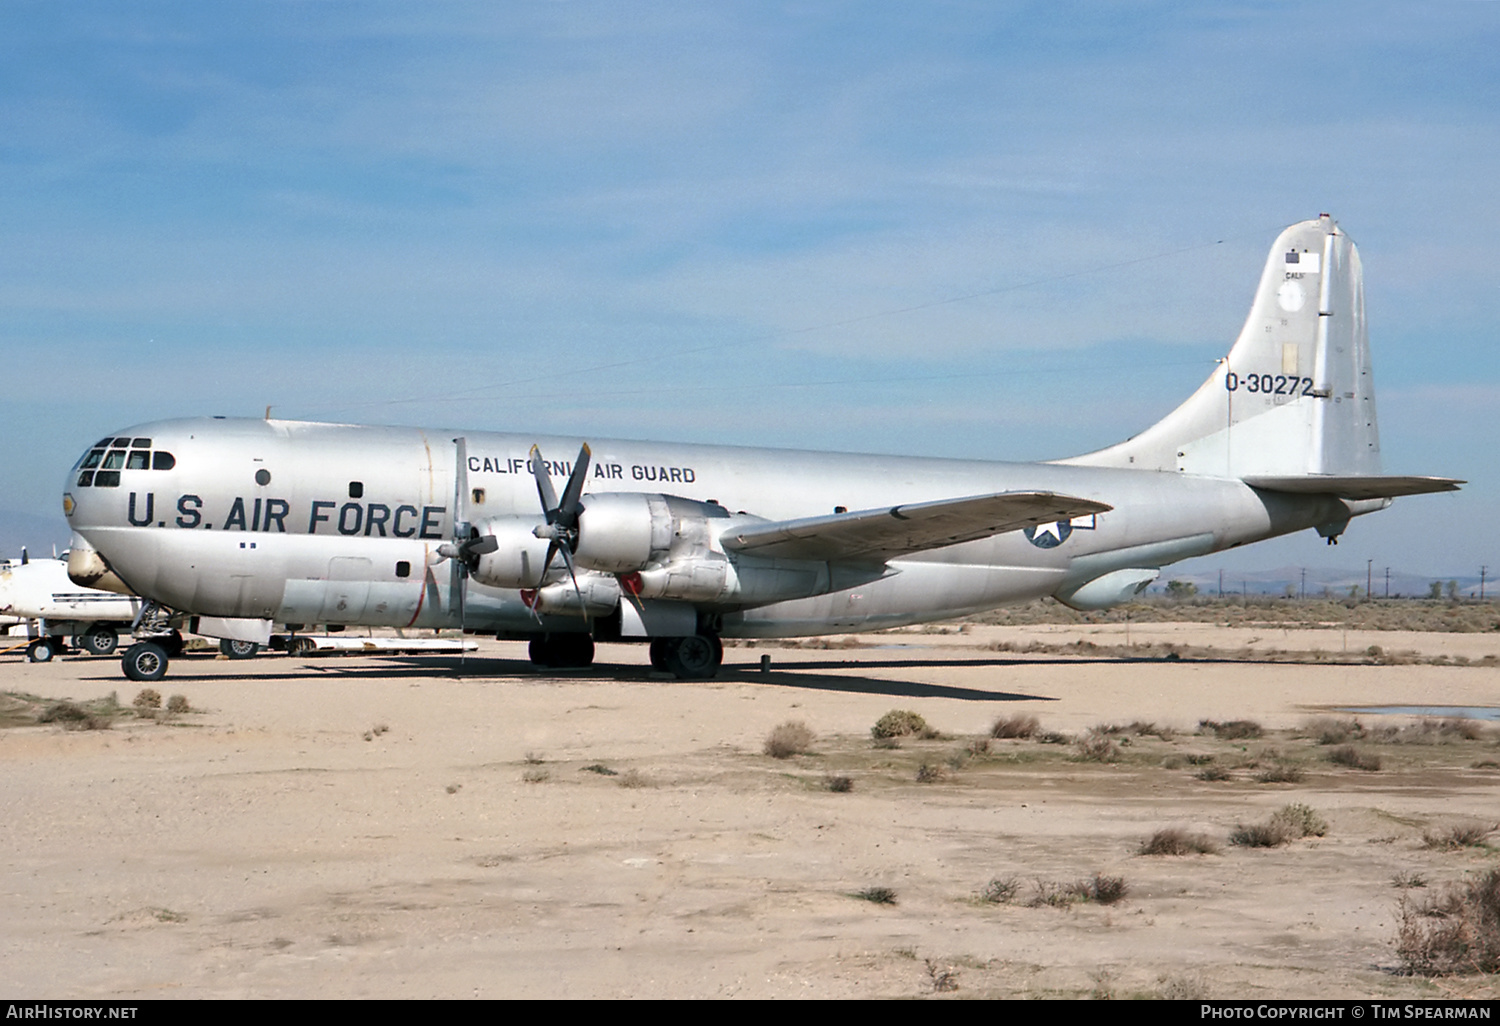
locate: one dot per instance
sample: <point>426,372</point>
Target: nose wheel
<point>145,661</point>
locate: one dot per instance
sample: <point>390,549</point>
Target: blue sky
<point>1012,231</point>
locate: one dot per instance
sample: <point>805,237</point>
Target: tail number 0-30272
<point>1268,384</point>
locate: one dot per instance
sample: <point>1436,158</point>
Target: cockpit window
<point>163,461</point>
<point>140,443</point>
<point>85,479</point>
<point>139,460</point>
<point>122,443</point>
<point>114,459</point>
<point>107,479</point>
<point>93,458</point>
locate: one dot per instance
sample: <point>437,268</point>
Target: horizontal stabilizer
<point>876,535</point>
<point>1358,487</point>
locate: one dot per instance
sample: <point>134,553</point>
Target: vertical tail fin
<point>1295,396</point>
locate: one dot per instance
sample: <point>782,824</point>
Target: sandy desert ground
<point>409,827</point>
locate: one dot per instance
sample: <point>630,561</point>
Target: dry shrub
<point>876,895</point>
<point>178,704</point>
<point>979,746</point>
<point>147,698</point>
<point>1460,835</point>
<point>901,723</point>
<point>1181,987</point>
<point>790,738</point>
<point>1258,835</point>
<point>634,778</point>
<point>1000,891</point>
<point>929,773</point>
<point>1142,728</point>
<point>536,776</point>
<point>1213,773</point>
<point>1457,931</point>
<point>1329,731</point>
<point>1098,746</point>
<point>1300,821</point>
<point>943,978</point>
<point>1281,773</point>
<point>1348,755</point>
<point>1176,841</point>
<point>1289,823</point>
<point>1233,730</point>
<point>1016,726</point>
<point>1106,890</point>
<point>601,769</point>
<point>1101,889</point>
<point>838,783</point>
<point>74,717</point>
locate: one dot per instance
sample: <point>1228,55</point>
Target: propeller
<point>561,528</point>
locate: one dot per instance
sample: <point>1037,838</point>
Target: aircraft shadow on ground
<point>804,675</point>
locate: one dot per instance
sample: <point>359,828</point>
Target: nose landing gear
<point>145,661</point>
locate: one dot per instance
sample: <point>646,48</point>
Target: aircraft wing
<point>877,535</point>
<point>1370,487</point>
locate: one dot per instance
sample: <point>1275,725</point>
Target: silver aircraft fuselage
<point>327,523</point>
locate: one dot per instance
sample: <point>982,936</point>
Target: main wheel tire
<point>660,649</point>
<point>40,651</point>
<point>171,644</point>
<point>576,651</point>
<point>562,651</point>
<point>540,651</point>
<point>98,640</point>
<point>695,657</point>
<point>238,649</point>
<point>145,661</point>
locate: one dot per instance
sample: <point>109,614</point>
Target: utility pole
<point>1302,593</point>
<point>1369,566</point>
<point>1387,582</point>
<point>1482,571</point>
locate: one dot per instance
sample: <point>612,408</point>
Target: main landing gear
<point>695,657</point>
<point>562,651</point>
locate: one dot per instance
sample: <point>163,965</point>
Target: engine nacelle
<point>621,532</point>
<point>618,531</point>
<point>520,560</point>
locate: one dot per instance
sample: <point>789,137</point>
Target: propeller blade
<point>576,480</point>
<point>544,488</point>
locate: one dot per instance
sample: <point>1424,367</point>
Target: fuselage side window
<point>163,461</point>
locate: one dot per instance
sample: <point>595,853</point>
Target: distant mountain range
<point>1313,581</point>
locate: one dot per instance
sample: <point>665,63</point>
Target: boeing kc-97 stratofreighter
<point>231,526</point>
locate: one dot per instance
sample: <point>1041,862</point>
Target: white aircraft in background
<point>39,590</point>
<point>231,525</point>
